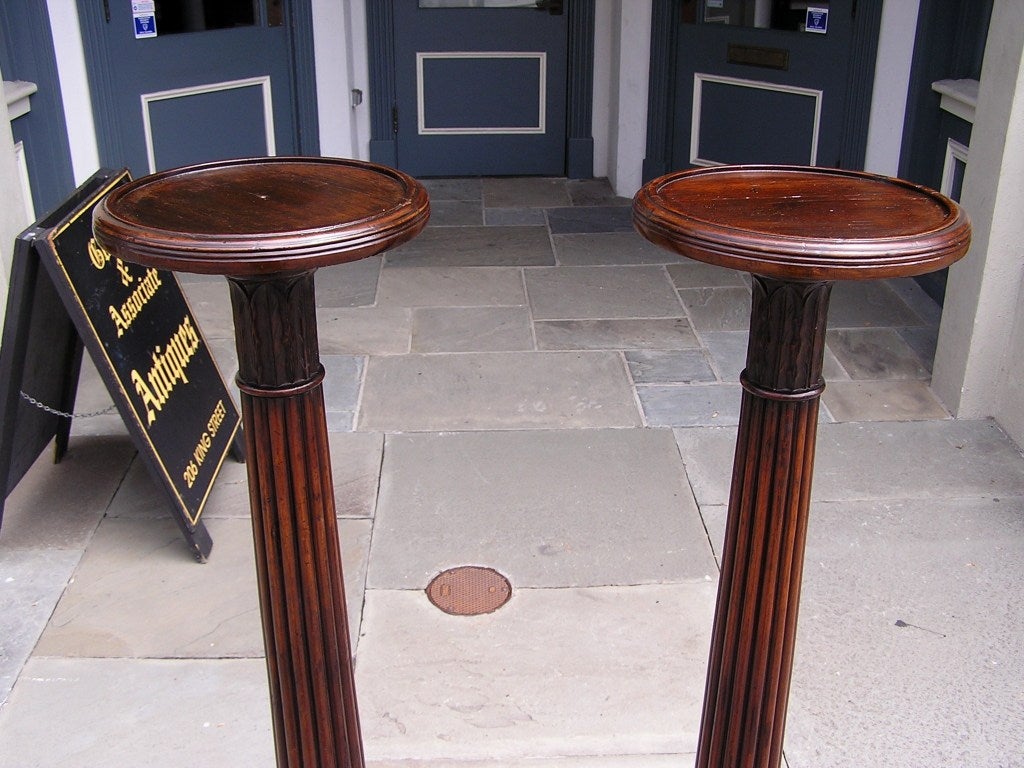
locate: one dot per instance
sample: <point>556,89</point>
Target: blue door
<point>177,82</point>
<point>480,87</point>
<point>762,81</point>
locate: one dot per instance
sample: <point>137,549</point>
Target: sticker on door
<point>817,20</point>
<point>144,17</point>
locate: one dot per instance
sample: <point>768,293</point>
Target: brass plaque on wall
<point>756,56</point>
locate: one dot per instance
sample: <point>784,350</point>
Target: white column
<point>892,78</point>
<point>630,70</point>
<point>74,87</point>
<point>979,364</point>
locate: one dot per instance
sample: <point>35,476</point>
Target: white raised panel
<point>263,82</point>
<point>699,78</point>
<point>542,65</point>
<point>955,153</point>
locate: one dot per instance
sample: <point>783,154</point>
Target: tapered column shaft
<point>762,563</point>
<point>298,559</point>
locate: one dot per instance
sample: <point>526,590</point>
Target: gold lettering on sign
<point>168,369</point>
<point>202,449</point>
<point>137,299</point>
<point>126,275</point>
<point>98,255</point>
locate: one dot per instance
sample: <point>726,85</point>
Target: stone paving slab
<point>453,189</point>
<point>690,406</point>
<point>608,248</point>
<point>138,593</point>
<point>515,217</point>
<point>497,390</point>
<point>471,329</point>
<point>355,469</point>
<point>574,293</point>
<point>885,460</point>
<point>909,638</point>
<point>601,507</point>
<point>657,333</point>
<point>875,353</point>
<point>589,761</point>
<point>31,583</point>
<point>907,694</point>
<point>456,213</point>
<point>696,274</point>
<point>594,192</point>
<point>882,401</point>
<point>675,367</point>
<point>474,247</point>
<point>348,285</point>
<point>868,303</point>
<point>448,287</point>
<point>58,506</point>
<point>728,352</point>
<point>605,218</point>
<point>363,330</point>
<point>563,672</point>
<point>210,301</point>
<point>342,380</point>
<point>717,309</point>
<point>121,713</point>
<point>536,192</point>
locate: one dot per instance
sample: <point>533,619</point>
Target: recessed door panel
<point>480,87</point>
<point>785,130</point>
<point>215,122</point>
<point>761,81</point>
<point>517,108</point>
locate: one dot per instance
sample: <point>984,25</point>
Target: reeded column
<point>295,531</point>
<point>762,560</point>
<point>796,230</point>
<point>268,224</point>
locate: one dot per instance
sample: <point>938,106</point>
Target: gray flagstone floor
<point>530,386</point>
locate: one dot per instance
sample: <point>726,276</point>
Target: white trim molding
<point>26,184</point>
<point>16,94</point>
<point>540,128</point>
<point>955,151</point>
<point>959,97</point>
<point>263,82</point>
<point>699,78</point>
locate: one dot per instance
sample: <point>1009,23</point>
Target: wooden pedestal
<point>268,225</point>
<point>796,230</point>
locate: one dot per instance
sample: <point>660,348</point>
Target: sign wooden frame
<point>147,347</point>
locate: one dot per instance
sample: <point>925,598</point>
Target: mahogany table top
<point>802,223</point>
<point>261,216</point>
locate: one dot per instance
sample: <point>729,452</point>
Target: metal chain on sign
<point>63,414</point>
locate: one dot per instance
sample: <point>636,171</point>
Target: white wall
<point>13,218</point>
<point>892,78</point>
<point>978,364</point>
<point>342,65</point>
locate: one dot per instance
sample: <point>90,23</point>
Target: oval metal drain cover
<point>469,590</point>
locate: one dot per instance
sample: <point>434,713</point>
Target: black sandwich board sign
<point>145,343</point>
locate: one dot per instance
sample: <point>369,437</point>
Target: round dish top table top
<point>261,216</point>
<point>802,223</point>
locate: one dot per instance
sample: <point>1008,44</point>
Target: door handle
<point>554,7</point>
